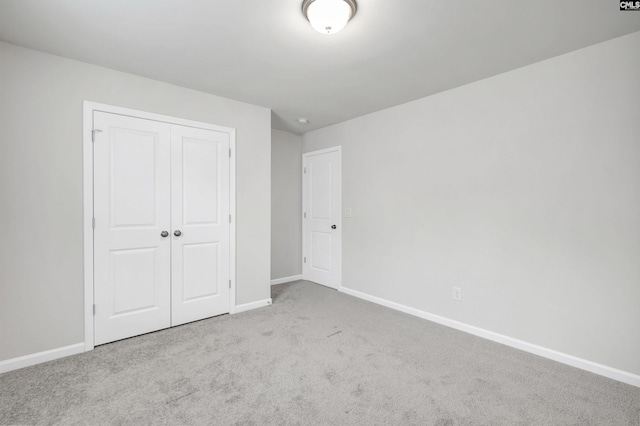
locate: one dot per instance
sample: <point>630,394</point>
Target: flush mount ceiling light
<point>329,16</point>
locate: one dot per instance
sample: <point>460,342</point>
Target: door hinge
<point>93,134</point>
<point>93,222</point>
<point>229,218</point>
<point>305,260</point>
<point>305,170</point>
<point>94,309</point>
<point>305,215</point>
<point>229,283</point>
<point>229,152</point>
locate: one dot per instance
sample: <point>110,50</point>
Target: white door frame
<point>87,159</point>
<point>304,203</point>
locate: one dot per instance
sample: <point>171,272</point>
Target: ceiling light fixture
<point>302,121</point>
<point>329,16</point>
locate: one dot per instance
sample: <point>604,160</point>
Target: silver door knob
<point>177,233</point>
<point>333,227</point>
<point>164,234</point>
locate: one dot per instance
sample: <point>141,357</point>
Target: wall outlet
<point>347,212</point>
<point>457,294</point>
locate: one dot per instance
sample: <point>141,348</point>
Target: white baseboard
<point>40,357</point>
<point>286,279</point>
<point>253,305</point>
<point>602,370</point>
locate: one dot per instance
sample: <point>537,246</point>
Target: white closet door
<point>132,208</point>
<point>200,223</point>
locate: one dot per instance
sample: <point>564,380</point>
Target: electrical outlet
<point>457,294</point>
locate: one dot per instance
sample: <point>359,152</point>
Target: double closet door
<point>161,233</point>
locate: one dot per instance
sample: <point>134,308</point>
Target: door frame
<point>88,108</point>
<point>305,156</point>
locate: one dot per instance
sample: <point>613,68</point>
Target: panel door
<point>132,208</point>
<point>322,225</point>
<point>200,223</point>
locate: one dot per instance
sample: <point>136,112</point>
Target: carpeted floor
<point>315,357</point>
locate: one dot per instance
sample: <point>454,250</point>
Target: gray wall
<point>523,189</point>
<point>286,204</point>
<point>41,263</point>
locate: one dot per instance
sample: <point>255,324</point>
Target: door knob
<point>333,227</point>
<point>164,234</point>
<point>177,233</point>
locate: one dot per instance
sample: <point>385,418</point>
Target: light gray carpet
<point>315,357</point>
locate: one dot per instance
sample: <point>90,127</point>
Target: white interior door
<point>200,223</point>
<point>322,227</point>
<point>131,208</point>
<point>162,233</point>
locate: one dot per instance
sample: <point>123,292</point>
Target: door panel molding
<point>88,200</point>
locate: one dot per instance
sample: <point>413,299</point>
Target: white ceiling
<point>264,52</point>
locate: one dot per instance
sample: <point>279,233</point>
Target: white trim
<point>306,155</point>
<point>286,279</point>
<point>87,156</point>
<point>253,305</point>
<point>322,151</point>
<point>87,189</point>
<point>40,357</point>
<point>233,227</point>
<point>583,364</point>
